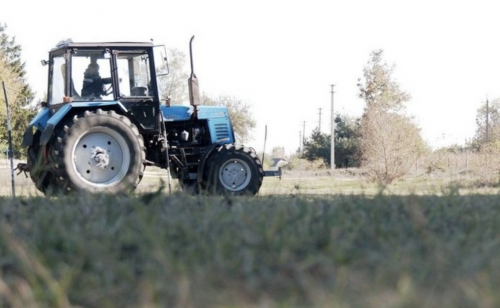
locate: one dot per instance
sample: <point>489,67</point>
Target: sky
<point>281,57</point>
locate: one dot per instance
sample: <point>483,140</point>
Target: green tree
<point>317,147</point>
<point>347,151</point>
<point>347,142</point>
<point>19,92</point>
<point>390,140</point>
<point>240,113</point>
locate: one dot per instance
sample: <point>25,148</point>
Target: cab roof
<point>71,44</point>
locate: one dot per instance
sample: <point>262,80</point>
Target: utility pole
<point>319,125</point>
<point>332,139</point>
<point>487,121</point>
<point>300,141</point>
<point>304,134</point>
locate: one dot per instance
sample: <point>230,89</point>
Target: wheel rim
<point>101,157</point>
<point>235,175</point>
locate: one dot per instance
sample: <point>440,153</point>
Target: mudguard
<point>40,122</point>
<point>61,113</point>
<point>212,148</point>
<point>52,122</point>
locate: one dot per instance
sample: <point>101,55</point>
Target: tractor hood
<point>184,113</point>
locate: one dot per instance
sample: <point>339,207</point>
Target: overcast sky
<point>282,56</point>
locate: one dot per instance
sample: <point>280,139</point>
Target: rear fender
<point>62,112</point>
<point>201,167</point>
<point>39,122</point>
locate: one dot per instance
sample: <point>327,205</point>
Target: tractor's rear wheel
<point>40,172</point>
<point>234,170</point>
<point>101,151</point>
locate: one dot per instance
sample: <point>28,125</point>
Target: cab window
<point>56,88</point>
<point>134,74</point>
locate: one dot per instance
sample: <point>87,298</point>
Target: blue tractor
<point>105,121</point>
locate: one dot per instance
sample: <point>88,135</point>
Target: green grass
<point>351,250</point>
<point>307,240</point>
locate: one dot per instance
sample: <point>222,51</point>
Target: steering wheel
<point>138,91</point>
<point>107,91</point>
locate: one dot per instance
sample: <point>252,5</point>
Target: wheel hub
<point>100,157</point>
<point>235,175</point>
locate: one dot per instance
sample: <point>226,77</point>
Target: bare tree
<point>390,140</point>
<point>174,85</point>
<point>390,143</point>
<point>487,124</point>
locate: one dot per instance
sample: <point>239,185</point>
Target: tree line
<point>20,94</point>
<point>385,141</point>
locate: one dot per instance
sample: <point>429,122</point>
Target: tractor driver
<point>93,84</point>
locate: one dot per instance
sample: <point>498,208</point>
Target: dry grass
<point>317,182</point>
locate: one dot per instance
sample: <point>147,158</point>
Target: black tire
<point>234,170</point>
<point>101,151</point>
<point>190,186</point>
<point>40,172</point>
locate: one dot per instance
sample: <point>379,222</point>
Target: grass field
<point>309,240</point>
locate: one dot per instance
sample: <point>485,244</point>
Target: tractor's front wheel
<point>234,170</point>
<point>190,186</point>
<point>99,152</point>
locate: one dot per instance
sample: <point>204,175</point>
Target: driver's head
<point>92,69</point>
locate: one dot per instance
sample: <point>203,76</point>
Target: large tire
<point>40,172</point>
<point>234,170</point>
<point>190,187</point>
<point>99,152</point>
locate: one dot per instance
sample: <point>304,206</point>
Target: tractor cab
<point>97,74</point>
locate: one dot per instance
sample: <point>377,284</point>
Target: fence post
<point>11,149</point>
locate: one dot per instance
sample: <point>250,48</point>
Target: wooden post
<point>11,149</point>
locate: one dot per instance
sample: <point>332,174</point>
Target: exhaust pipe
<point>194,90</point>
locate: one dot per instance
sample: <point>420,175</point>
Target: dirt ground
<point>23,185</point>
<point>292,182</point>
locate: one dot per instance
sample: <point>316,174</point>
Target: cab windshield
<point>91,75</point>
